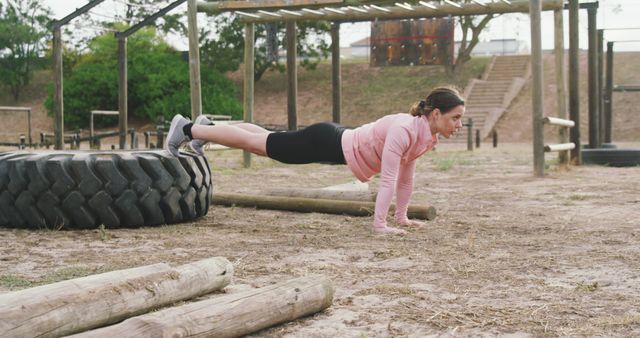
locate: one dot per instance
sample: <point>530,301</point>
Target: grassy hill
<point>367,92</point>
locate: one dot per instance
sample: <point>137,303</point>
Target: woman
<point>389,146</point>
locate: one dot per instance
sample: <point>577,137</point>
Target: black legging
<point>317,143</point>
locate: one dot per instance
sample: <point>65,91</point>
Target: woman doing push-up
<point>389,146</point>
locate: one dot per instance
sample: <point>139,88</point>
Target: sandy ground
<point>508,254</point>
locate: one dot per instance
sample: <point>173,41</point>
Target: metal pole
<point>194,60</point>
<point>58,105</point>
<point>122,90</point>
<point>561,92</point>
<point>537,95</point>
<point>608,95</point>
<point>249,43</point>
<point>292,76</point>
<point>593,79</point>
<point>336,73</point>
<point>574,89</point>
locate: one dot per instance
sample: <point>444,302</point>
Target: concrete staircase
<point>488,98</point>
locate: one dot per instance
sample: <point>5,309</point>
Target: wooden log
<point>84,303</point>
<point>232,315</point>
<point>355,208</point>
<point>341,195</point>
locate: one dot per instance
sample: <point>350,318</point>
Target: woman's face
<point>448,123</point>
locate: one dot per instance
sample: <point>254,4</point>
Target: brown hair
<point>442,98</point>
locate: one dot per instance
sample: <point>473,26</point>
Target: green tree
<point>23,36</point>
<point>471,26</point>
<point>158,81</point>
<point>225,51</point>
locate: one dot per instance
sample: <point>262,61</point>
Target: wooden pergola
<point>337,11</point>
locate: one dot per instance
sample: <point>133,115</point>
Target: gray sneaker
<point>198,145</point>
<point>176,136</point>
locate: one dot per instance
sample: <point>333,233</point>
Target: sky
<point>612,15</point>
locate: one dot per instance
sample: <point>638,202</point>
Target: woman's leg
<point>250,127</point>
<point>234,136</point>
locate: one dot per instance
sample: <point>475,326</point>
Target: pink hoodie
<point>389,146</point>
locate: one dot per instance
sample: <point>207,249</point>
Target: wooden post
<point>58,104</point>
<point>299,204</point>
<point>593,79</point>
<point>608,95</point>
<point>292,76</point>
<point>537,94</point>
<point>494,137</point>
<point>477,138</point>
<point>29,127</point>
<point>122,90</point>
<point>232,315</point>
<point>600,67</point>
<point>336,72</point>
<point>574,80</point>
<point>194,60</point>
<point>91,130</point>
<point>470,134</point>
<point>249,77</point>
<point>81,304</point>
<point>561,93</point>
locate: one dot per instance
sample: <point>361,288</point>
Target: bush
<point>158,83</point>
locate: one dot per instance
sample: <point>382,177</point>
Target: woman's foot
<point>176,136</point>
<point>198,145</point>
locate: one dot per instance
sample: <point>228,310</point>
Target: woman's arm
<point>404,188</point>
<point>396,143</point>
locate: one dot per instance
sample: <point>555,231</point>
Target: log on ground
<point>342,195</point>
<point>355,208</point>
<point>231,315</point>
<point>84,303</point>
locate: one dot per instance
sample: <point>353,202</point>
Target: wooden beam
<point>574,80</point>
<point>194,61</point>
<point>561,92</point>
<point>355,208</point>
<point>594,126</point>
<point>265,4</point>
<point>392,12</point>
<point>58,97</point>
<point>81,304</point>
<point>600,70</point>
<point>232,315</point>
<point>75,14</point>
<point>558,122</point>
<point>336,74</point>
<point>559,147</point>
<point>537,94</point>
<point>292,76</point>
<point>122,91</point>
<point>249,76</point>
<point>608,94</point>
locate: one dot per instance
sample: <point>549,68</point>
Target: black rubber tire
<point>82,190</point>
<point>612,157</point>
<point>604,146</point>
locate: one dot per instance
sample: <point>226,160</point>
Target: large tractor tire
<point>612,157</point>
<point>81,190</point>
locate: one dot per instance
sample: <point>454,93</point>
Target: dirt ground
<point>508,254</point>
